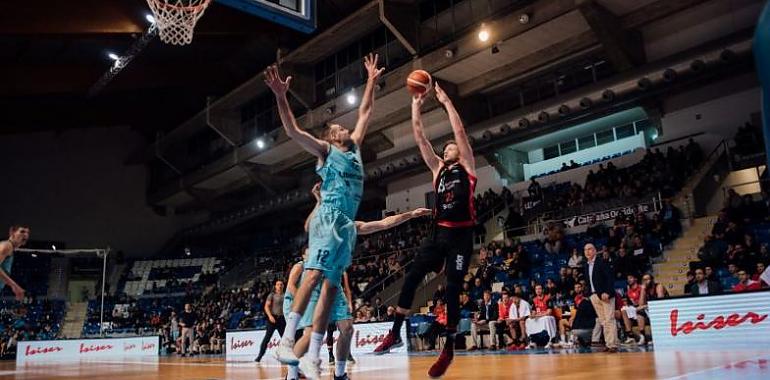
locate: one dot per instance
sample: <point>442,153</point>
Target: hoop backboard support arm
<point>75,252</point>
<point>302,19</point>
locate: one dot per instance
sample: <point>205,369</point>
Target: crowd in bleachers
<point>735,253</point>
<point>28,320</point>
<point>610,186</point>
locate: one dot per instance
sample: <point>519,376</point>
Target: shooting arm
<point>426,150</point>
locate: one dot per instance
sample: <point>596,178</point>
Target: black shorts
<point>447,249</point>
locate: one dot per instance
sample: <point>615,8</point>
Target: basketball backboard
<point>295,14</point>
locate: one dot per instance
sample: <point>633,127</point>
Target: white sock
<point>315,345</point>
<point>562,338</point>
<point>293,373</point>
<point>339,369</point>
<point>292,320</point>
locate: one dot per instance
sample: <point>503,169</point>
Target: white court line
<point>353,369</point>
<point>713,368</point>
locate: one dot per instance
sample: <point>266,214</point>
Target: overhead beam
<point>400,19</point>
<point>624,48</point>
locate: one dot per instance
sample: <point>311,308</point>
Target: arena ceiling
<point>53,51</point>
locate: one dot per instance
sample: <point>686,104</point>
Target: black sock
<point>450,339</point>
<point>397,323</point>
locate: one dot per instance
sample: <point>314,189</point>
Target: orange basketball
<point>418,82</point>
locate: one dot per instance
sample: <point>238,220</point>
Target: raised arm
<point>5,250</point>
<point>294,274</point>
<point>316,147</point>
<point>426,149</point>
<point>317,194</point>
<point>461,138</point>
<point>367,100</point>
<point>366,228</point>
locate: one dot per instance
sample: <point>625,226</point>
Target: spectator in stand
<point>518,315</point>
<point>553,242</point>
<point>704,286</point>
<point>566,281</point>
<point>758,272</point>
<point>440,293</point>
<point>534,190</point>
<point>576,260</point>
<point>438,326</point>
<point>654,290</point>
<point>624,264</point>
<point>745,283</point>
<point>380,310</point>
<point>477,292</point>
<point>187,321</point>
<point>485,320</point>
<point>390,314</point>
<point>467,306</point>
<point>690,281</point>
<point>634,310</point>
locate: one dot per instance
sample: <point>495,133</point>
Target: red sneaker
<point>442,364</point>
<point>391,341</point>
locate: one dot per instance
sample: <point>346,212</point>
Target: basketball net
<point>176,19</point>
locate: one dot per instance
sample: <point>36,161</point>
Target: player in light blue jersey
<point>332,231</point>
<point>17,237</point>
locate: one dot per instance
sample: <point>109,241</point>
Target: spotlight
<point>351,98</point>
<point>669,75</point>
<point>330,110</point>
<point>113,56</point>
<point>524,19</point>
<point>523,122</point>
<point>644,84</point>
<point>486,136</point>
<point>654,135</point>
<point>697,66</point>
<point>449,53</point>
<point>564,110</point>
<point>543,117</point>
<point>586,103</point>
<point>483,33</point>
<point>608,95</point>
<point>149,18</point>
<point>260,144</point>
<point>505,129</point>
<point>53,247</point>
<point>33,254</point>
<point>495,49</point>
<point>187,251</point>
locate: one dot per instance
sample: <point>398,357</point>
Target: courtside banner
<point>737,320</point>
<point>244,345</point>
<point>76,350</point>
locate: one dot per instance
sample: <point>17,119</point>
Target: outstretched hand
<point>441,95</point>
<point>420,212</point>
<point>419,99</point>
<point>370,62</point>
<point>274,81</point>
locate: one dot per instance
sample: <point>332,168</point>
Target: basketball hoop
<point>176,19</point>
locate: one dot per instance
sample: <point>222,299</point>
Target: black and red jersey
<point>454,188</point>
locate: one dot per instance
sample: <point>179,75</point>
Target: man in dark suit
<point>704,286</point>
<point>486,320</point>
<point>602,290</point>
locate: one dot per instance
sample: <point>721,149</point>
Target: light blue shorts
<point>332,238</point>
<point>340,310</point>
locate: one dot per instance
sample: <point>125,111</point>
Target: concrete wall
<point>73,187</point>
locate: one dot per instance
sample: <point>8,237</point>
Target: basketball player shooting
<point>17,237</point>
<point>332,231</point>
<point>451,243</point>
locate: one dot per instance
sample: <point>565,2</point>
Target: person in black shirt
<point>187,321</point>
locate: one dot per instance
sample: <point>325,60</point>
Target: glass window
<point>624,131</point>
<point>605,137</point>
<point>586,142</point>
<point>551,152</point>
<point>568,147</point>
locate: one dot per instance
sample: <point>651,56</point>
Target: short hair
<point>446,144</point>
<point>16,227</point>
<point>326,131</point>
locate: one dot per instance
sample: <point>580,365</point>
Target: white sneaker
<point>564,344</point>
<point>310,368</point>
<point>629,341</point>
<point>284,353</point>
<point>642,341</point>
<point>532,346</point>
<point>548,346</point>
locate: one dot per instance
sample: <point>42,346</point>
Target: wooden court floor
<point>744,365</point>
